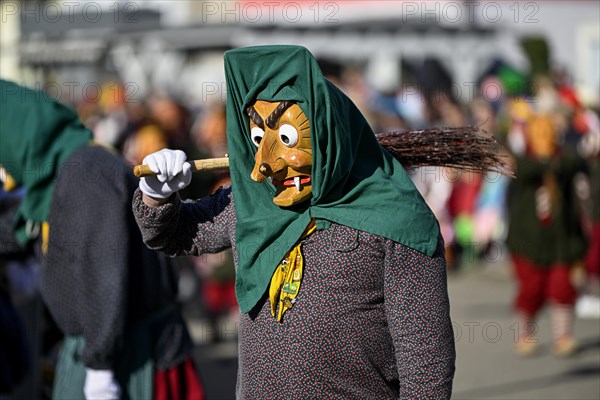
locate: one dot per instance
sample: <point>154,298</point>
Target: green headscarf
<point>355,182</point>
<point>37,134</point>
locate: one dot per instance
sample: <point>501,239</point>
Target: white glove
<point>172,173</point>
<point>100,385</point>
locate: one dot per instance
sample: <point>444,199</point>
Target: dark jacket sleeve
<point>85,279</point>
<point>418,312</point>
<point>187,228</point>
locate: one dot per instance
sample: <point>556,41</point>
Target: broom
<point>465,148</point>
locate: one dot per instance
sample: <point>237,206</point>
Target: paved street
<point>487,367</point>
<point>485,332</point>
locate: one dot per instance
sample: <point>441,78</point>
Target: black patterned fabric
<point>98,279</point>
<point>371,320</point>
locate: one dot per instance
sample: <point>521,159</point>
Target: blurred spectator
<point>588,305</point>
<point>435,186</point>
<point>411,106</point>
<point>147,139</point>
<point>173,119</point>
<point>544,236</point>
<point>489,219</point>
<point>208,132</point>
<point>111,124</point>
<point>462,207</point>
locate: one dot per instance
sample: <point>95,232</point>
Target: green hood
<point>37,134</point>
<point>355,182</point>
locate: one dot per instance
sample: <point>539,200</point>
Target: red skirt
<point>178,383</point>
<point>538,285</point>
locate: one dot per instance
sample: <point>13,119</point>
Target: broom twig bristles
<point>467,148</point>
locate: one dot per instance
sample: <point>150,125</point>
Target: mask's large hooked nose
<point>262,170</point>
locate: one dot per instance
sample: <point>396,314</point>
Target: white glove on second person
<point>172,173</point>
<point>100,384</point>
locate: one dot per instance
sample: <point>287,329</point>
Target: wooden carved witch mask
<point>281,131</point>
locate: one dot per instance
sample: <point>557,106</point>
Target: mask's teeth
<point>297,182</point>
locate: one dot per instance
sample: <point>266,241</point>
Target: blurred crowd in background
<point>520,108</point>
<point>516,107</point>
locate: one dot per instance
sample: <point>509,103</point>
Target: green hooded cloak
<point>355,182</point>
<point>37,134</point>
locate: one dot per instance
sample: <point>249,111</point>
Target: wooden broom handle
<point>208,164</point>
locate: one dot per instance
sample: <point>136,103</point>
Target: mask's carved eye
<point>256,134</point>
<point>288,135</point>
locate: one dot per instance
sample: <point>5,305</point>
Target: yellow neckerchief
<point>285,283</point>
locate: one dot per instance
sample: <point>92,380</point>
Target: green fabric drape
<point>37,134</point>
<point>355,182</point>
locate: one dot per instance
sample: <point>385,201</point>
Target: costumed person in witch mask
<point>114,299</point>
<point>545,236</point>
<point>340,270</point>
